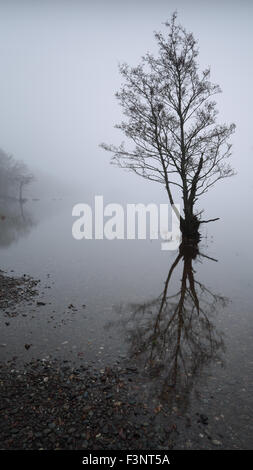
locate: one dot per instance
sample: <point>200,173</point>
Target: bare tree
<point>22,177</point>
<point>6,164</point>
<point>171,120</point>
<point>14,175</point>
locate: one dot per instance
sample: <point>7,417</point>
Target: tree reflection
<point>15,222</point>
<point>175,334</point>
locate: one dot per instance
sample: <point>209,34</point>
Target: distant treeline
<point>14,175</point>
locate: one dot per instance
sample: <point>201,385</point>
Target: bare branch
<point>171,121</point>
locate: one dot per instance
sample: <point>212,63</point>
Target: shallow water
<point>189,331</point>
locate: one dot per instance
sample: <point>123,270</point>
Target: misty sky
<point>59,74</point>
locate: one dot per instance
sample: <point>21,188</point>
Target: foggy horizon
<point>60,75</point>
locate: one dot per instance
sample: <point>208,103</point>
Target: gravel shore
<point>16,289</point>
<point>50,405</point>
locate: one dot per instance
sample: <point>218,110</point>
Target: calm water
<point>185,322</point>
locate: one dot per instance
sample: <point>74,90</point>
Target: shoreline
<point>58,404</point>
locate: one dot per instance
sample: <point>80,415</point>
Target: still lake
<point>185,322</point>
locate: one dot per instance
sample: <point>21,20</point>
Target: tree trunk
<point>20,190</point>
<point>189,225</point>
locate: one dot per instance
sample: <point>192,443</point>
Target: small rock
<point>216,443</point>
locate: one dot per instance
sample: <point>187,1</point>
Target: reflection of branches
<point>175,333</point>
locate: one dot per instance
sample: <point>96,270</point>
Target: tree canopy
<point>171,121</point>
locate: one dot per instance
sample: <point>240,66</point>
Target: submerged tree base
<point>189,248</point>
<point>190,230</point>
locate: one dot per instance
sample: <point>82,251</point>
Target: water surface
<point>185,321</point>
